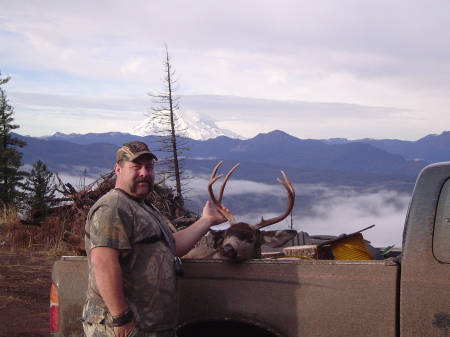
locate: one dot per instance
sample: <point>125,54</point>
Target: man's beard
<point>142,180</point>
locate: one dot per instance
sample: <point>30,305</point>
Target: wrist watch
<point>123,318</point>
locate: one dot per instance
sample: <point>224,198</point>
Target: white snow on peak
<point>195,125</point>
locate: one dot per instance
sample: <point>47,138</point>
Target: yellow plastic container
<point>351,248</point>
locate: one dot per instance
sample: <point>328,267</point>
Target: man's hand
<point>124,330</point>
<point>188,237</point>
<point>214,216</point>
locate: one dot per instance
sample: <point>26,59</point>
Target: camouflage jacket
<point>147,260</point>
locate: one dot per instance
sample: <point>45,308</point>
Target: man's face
<point>136,177</point>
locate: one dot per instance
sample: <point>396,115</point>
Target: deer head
<point>242,241</point>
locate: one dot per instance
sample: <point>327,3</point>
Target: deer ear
<point>277,238</point>
<point>217,237</point>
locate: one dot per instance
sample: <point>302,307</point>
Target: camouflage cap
<point>132,150</point>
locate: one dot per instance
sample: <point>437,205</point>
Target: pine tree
<point>171,139</point>
<point>40,188</point>
<point>10,157</point>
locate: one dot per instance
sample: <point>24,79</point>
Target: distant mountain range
<point>364,162</point>
<point>209,140</point>
<point>332,161</point>
<point>279,148</point>
<point>274,148</point>
<point>429,149</point>
<point>262,158</point>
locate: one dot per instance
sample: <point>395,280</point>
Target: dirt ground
<point>25,280</point>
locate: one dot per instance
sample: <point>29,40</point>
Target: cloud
<point>380,54</point>
<point>304,42</point>
<point>244,116</point>
<point>75,114</point>
<point>346,211</point>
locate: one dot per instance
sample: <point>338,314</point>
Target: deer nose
<point>228,251</point>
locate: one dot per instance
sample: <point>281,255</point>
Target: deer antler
<point>217,202</point>
<point>289,205</point>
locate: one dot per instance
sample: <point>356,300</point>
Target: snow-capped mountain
<point>197,126</point>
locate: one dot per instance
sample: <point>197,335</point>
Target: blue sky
<point>314,69</point>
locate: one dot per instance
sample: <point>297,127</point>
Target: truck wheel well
<point>223,329</point>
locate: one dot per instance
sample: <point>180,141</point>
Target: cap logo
<point>139,147</point>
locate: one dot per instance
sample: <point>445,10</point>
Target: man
<point>132,254</point>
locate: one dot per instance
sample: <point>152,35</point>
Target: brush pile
<point>45,229</point>
<point>78,203</point>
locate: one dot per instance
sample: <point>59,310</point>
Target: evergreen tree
<point>10,157</point>
<point>40,188</point>
<point>171,139</point>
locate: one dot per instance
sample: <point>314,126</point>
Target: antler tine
<point>289,205</point>
<point>225,180</point>
<point>213,174</point>
<point>216,202</point>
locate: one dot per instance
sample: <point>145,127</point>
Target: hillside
<point>280,148</point>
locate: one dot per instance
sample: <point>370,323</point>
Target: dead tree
<point>171,137</point>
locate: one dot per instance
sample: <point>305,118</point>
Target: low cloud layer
<point>347,211</point>
<point>325,210</point>
<point>318,209</point>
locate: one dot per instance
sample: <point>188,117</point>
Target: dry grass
<point>19,238</point>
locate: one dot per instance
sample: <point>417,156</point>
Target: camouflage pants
<point>97,323</point>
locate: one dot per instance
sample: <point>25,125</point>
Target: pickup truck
<point>405,296</point>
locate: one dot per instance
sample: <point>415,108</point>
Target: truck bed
<point>293,297</point>
<point>283,297</point>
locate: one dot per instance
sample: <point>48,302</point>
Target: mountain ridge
<point>93,160</point>
<point>273,148</point>
<point>431,148</point>
<point>200,127</point>
<point>280,148</point>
